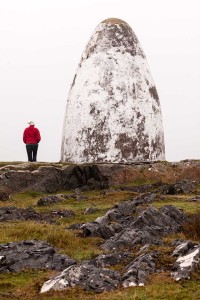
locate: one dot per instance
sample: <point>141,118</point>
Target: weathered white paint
<point>113,112</point>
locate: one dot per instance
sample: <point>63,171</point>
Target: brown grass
<point>191,228</point>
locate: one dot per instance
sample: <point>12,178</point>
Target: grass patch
<point>181,202</point>
<point>68,241</point>
<point>96,199</point>
<point>12,281</point>
<point>23,199</point>
<point>9,163</point>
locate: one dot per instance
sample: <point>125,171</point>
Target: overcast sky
<point>41,43</point>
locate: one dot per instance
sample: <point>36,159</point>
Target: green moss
<point>10,281</point>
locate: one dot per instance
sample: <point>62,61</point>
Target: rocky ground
<point>103,227</point>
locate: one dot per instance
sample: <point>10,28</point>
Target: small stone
<point>90,210</point>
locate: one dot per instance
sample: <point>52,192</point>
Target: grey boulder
<point>188,260</point>
<point>31,254</point>
<point>87,276</point>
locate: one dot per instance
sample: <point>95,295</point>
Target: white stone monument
<point>113,113</point>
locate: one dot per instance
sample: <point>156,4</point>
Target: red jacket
<point>31,135</point>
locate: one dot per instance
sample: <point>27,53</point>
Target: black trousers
<point>32,151</point>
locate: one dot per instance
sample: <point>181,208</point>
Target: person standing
<point>31,137</point>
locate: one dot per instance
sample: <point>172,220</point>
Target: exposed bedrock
<point>113,111</point>
<point>124,226</point>
<point>85,275</point>
<point>167,178</point>
<point>99,279</point>
<point>188,260</point>
<point>49,179</point>
<point>31,254</point>
<point>138,271</point>
<point>13,213</point>
<point>141,173</point>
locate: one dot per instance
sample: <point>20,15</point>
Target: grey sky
<point>41,43</point>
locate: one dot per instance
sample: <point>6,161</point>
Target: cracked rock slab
<point>31,254</point>
<point>86,276</point>
<point>123,229</point>
<point>138,271</point>
<point>188,260</point>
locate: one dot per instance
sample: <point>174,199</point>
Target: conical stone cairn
<point>113,113</point>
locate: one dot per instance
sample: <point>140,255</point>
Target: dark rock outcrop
<point>88,176</point>
<point>31,254</point>
<point>101,230</point>
<point>92,275</point>
<point>180,187</point>
<point>138,271</point>
<point>147,228</point>
<point>85,275</point>
<point>13,213</point>
<point>125,225</point>
<point>50,179</point>
<point>16,214</point>
<point>111,259</point>
<point>52,199</point>
<point>121,214</point>
<point>157,172</point>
